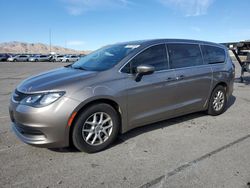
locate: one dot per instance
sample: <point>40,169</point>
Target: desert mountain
<point>35,48</point>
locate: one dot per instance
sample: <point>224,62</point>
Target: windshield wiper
<point>75,67</point>
<point>80,68</point>
<point>70,65</point>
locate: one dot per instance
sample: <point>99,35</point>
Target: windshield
<point>104,58</point>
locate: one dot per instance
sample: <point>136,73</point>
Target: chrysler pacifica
<point>120,87</point>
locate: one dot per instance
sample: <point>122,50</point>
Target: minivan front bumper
<point>43,127</point>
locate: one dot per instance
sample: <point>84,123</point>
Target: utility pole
<point>50,40</point>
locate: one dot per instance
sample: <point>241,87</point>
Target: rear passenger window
<point>155,56</point>
<point>184,55</point>
<point>213,55</point>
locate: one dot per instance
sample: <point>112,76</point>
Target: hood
<point>58,79</point>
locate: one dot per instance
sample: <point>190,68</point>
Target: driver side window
<point>155,56</point>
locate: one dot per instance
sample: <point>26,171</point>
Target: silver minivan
<point>18,58</point>
<point>70,58</point>
<point>40,58</point>
<point>120,87</point>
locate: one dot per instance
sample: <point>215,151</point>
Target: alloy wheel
<point>97,128</point>
<point>219,100</point>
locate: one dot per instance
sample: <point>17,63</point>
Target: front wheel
<point>96,128</point>
<point>218,101</point>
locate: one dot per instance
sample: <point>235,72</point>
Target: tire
<point>218,101</point>
<point>36,60</point>
<point>88,140</point>
<point>15,60</point>
<point>67,60</point>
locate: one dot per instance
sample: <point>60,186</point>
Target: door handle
<point>181,77</point>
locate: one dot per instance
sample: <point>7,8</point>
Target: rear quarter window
<point>213,54</point>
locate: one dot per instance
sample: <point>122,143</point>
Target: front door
<point>150,99</point>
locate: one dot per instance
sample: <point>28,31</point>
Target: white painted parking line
<point>187,165</point>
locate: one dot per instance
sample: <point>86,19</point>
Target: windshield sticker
<point>108,54</point>
<point>132,46</point>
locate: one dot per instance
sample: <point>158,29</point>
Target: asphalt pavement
<point>195,150</point>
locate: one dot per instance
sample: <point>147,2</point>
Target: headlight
<point>41,99</point>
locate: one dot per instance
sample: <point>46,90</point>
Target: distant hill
<point>35,48</point>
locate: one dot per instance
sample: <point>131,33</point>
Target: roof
<point>154,41</point>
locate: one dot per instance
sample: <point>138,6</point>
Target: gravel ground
<point>195,150</point>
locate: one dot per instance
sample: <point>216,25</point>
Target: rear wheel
<point>218,101</point>
<point>96,128</point>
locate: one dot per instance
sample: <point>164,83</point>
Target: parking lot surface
<point>195,150</point>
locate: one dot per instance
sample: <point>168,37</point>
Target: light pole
<point>50,40</point>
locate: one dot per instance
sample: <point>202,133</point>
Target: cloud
<point>75,43</point>
<point>78,7</point>
<point>189,7</point>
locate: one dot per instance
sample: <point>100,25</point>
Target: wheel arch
<point>84,106</point>
<point>224,84</point>
<point>226,87</point>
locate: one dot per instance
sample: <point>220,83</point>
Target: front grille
<point>18,96</point>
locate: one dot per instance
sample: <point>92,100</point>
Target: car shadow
<point>166,123</point>
<point>69,149</point>
<point>147,128</point>
<point>246,80</point>
<point>231,101</point>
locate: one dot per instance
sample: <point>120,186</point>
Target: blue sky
<point>90,24</point>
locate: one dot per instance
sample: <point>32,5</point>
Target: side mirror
<point>142,70</point>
